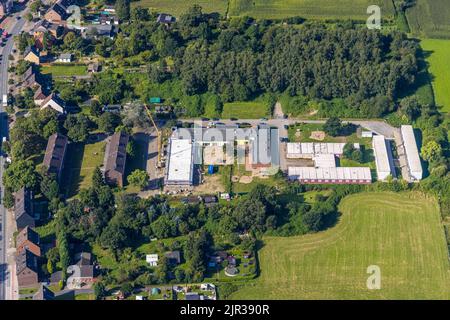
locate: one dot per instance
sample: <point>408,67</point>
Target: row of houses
<point>27,240</point>
<point>32,79</point>
<point>54,157</point>
<point>6,7</point>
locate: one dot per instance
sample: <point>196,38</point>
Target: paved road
<point>5,51</point>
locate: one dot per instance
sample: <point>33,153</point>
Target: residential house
<point>32,55</point>
<point>152,259</point>
<point>209,200</point>
<point>44,293</point>
<point>28,239</point>
<point>113,108</point>
<point>54,154</point>
<point>45,33</point>
<point>39,96</point>
<point>193,296</point>
<point>83,258</point>
<point>165,18</point>
<point>30,79</point>
<point>27,269</point>
<point>109,9</point>
<point>96,31</point>
<point>173,257</point>
<point>3,11</point>
<point>116,159</point>
<point>5,7</point>
<point>93,67</point>
<point>82,272</point>
<point>65,58</point>
<point>56,14</point>
<point>55,102</point>
<point>23,209</point>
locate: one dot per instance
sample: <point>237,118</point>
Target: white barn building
<point>382,160</point>
<point>308,150</point>
<point>338,175</point>
<point>412,152</point>
<point>180,164</point>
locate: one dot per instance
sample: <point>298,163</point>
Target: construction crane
<point>159,137</point>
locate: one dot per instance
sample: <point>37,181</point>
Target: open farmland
<point>430,18</point>
<point>178,7</point>
<point>437,53</point>
<point>322,9</point>
<point>399,232</point>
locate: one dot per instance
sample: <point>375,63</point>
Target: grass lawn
<point>85,296</point>
<point>321,9</point>
<point>399,232</point>
<point>438,53</point>
<point>307,128</point>
<point>177,7</point>
<point>245,110</point>
<point>64,70</point>
<point>269,181</point>
<point>82,160</point>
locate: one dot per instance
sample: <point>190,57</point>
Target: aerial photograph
<point>227,150</point>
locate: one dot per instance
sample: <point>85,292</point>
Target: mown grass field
<point>399,232</point>
<point>64,70</point>
<point>178,7</point>
<point>80,166</point>
<point>322,9</point>
<point>245,110</point>
<point>437,54</point>
<point>430,18</point>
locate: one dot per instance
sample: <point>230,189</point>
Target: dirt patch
<point>317,135</point>
<point>211,184</point>
<point>246,179</point>
<point>234,178</point>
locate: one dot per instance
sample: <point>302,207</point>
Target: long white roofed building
<point>412,152</point>
<point>337,175</point>
<point>307,150</point>
<point>382,159</point>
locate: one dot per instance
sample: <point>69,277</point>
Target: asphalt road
<point>5,51</point>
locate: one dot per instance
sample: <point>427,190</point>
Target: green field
<point>245,110</point>
<point>322,9</point>
<point>177,7</point>
<point>430,18</point>
<point>82,160</point>
<point>399,232</point>
<point>437,53</point>
<point>64,70</point>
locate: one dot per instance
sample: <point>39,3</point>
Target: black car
<point>245,125</point>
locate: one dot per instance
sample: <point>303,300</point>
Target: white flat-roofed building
<point>307,150</point>
<point>180,164</point>
<point>152,259</point>
<point>324,161</point>
<point>381,154</point>
<point>412,152</point>
<point>339,175</point>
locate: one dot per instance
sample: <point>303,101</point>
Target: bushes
<point>226,178</point>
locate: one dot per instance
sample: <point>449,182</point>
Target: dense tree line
<point>353,71</point>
